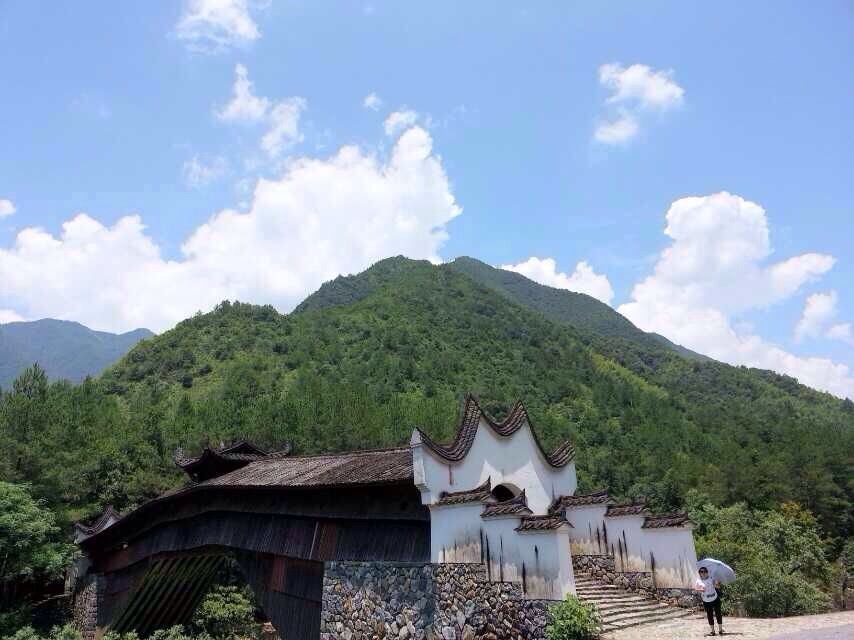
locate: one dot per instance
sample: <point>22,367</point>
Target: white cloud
<point>843,331</point>
<point>284,129</point>
<point>320,218</point>
<point>198,172</point>
<point>399,120</point>
<point>373,102</point>
<point>7,315</point>
<point>210,26</point>
<point>715,269</point>
<point>639,84</point>
<point>282,118</point>
<point>7,208</point>
<point>244,106</point>
<point>819,310</point>
<point>623,129</point>
<point>583,280</point>
<point>634,90</point>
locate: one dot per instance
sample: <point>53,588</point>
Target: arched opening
<point>505,491</point>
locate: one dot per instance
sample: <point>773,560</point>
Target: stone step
<point>644,605</point>
<point>619,608</point>
<point>636,619</point>
<point>616,597</point>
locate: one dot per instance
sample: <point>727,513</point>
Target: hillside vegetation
<point>368,357</point>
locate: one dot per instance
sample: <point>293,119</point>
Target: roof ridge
<point>470,415</point>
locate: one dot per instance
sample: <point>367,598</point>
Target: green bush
<point>226,613</point>
<point>573,620</point>
<point>65,632</point>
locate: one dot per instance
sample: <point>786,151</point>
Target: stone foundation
<point>84,607</point>
<point>641,582</point>
<point>363,601</point>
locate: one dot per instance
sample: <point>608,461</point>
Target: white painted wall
<point>587,522</point>
<point>516,460</point>
<point>674,555</point>
<point>624,532</point>
<point>540,561</point>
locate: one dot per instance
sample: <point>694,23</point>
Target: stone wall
<point>363,601</point>
<point>603,568</point>
<point>84,608</point>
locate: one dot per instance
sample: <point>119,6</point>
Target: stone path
<point>830,626</point>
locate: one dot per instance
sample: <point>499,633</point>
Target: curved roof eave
<point>470,416</point>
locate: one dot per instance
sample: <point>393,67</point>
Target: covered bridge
<point>311,534</point>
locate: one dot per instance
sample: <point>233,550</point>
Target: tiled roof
<point>242,450</point>
<point>471,415</point>
<point>633,508</point>
<point>109,517</point>
<point>478,494</point>
<point>517,506</point>
<point>378,466</point>
<point>667,520</point>
<point>542,523</point>
<point>579,500</point>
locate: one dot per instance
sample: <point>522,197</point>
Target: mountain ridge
<point>63,348</point>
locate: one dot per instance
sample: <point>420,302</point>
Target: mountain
<point>367,357</point>
<point>582,311</point>
<point>66,350</point>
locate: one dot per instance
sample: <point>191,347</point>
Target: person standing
<point>709,589</point>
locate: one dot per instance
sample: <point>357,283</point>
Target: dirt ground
<point>830,626</point>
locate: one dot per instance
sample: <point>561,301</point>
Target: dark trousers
<point>713,608</point>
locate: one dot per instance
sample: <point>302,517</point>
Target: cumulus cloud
<point>583,280</point>
<point>819,309</point>
<point>639,84</point>
<point>210,26</point>
<point>372,101</point>
<point>618,131</point>
<point>322,217</point>
<point>244,105</point>
<point>282,118</point>
<point>6,208</point>
<point>634,90</point>
<point>715,268</point>
<point>284,129</point>
<point>198,172</point>
<point>399,120</point>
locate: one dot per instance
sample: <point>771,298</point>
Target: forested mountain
<point>66,350</point>
<point>367,358</point>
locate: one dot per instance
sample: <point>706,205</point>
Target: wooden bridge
<point>279,516</point>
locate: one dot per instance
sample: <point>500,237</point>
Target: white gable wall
<point>514,460</point>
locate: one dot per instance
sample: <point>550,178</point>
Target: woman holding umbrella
<point>713,573</point>
<point>709,589</point>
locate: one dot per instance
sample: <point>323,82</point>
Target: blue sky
<point>113,110</point>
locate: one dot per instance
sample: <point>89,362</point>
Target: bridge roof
<point>377,466</point>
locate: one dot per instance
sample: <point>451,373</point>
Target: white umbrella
<point>718,570</point>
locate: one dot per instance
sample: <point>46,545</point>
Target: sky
<point>689,164</point>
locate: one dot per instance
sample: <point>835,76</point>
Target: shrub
<point>573,620</point>
<point>226,612</point>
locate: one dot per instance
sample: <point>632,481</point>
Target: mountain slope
<point>66,350</point>
<point>368,356</point>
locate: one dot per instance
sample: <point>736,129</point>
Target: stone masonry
<point>602,568</point>
<point>84,612</point>
<point>363,601</point>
